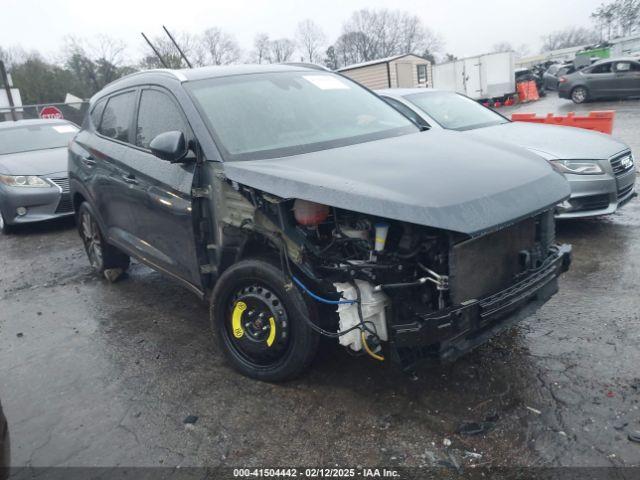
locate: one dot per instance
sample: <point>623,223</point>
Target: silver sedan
<point>599,168</point>
<point>34,184</point>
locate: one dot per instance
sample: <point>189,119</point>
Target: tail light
<point>309,213</point>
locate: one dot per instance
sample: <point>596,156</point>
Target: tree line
<point>84,66</point>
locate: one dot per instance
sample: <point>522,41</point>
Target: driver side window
<point>157,114</point>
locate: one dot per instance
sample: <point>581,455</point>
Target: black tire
<point>102,256</point>
<point>296,342</point>
<point>579,95</point>
<point>4,227</point>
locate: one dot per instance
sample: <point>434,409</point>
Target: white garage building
<point>399,71</point>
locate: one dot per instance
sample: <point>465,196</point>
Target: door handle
<point>89,161</point>
<point>130,179</point>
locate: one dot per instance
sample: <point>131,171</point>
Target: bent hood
<point>554,141</point>
<point>37,162</point>
<point>442,179</point>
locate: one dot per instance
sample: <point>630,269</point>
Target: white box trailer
<point>484,76</point>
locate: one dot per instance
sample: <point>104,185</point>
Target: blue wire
<point>316,297</point>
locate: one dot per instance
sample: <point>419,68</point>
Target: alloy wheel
<point>91,239</point>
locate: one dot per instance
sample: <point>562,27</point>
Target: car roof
<point>403,92</point>
<point>200,73</point>
<point>36,121</point>
<point>616,59</point>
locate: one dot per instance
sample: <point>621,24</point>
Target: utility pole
<point>178,47</point>
<point>7,88</point>
<point>155,51</point>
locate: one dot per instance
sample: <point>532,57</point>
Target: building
<point>399,71</point>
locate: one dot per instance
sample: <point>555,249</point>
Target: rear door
<point>601,80</point>
<point>108,157</point>
<point>628,77</point>
<point>164,228</point>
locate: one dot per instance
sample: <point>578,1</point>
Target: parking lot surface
<point>100,374</point>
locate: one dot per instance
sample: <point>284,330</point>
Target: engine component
<point>309,213</point>
<point>373,306</point>
<point>382,229</point>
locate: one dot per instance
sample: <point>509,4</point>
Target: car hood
<point>554,141</point>
<point>442,179</point>
<point>36,162</point>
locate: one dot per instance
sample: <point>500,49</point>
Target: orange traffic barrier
<point>600,121</point>
<point>527,91</point>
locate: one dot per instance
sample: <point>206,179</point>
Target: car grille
<point>622,164</point>
<point>63,183</point>
<point>592,202</point>
<point>65,205</point>
<point>623,192</point>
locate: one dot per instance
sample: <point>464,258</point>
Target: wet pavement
<point>100,374</point>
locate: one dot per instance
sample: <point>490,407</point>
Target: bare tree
<point>262,47</point>
<point>310,39</point>
<point>221,48</point>
<point>372,34</point>
<point>569,37</point>
<point>191,45</point>
<point>605,17</point>
<point>281,50</point>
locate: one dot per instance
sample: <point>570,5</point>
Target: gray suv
<point>610,78</point>
<point>301,204</point>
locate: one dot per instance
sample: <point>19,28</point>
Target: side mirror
<point>170,146</point>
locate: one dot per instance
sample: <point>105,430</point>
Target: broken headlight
<point>24,181</point>
<point>578,167</point>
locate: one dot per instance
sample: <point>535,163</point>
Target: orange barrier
<point>527,91</point>
<point>601,121</point>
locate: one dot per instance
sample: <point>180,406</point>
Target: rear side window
<point>604,68</point>
<point>96,112</point>
<point>117,116</point>
<point>157,114</point>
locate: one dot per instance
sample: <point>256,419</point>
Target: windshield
<point>269,115</point>
<point>455,112</point>
<point>35,137</point>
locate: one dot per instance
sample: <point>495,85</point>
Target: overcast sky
<point>467,26</point>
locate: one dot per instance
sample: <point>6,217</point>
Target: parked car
<point>34,184</point>
<point>610,78</point>
<point>5,448</point>
<point>554,72</point>
<point>301,204</point>
<point>599,168</point>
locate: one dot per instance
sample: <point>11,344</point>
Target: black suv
<point>301,204</point>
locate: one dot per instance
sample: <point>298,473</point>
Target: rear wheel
<point>260,325</point>
<point>102,256</point>
<point>579,95</point>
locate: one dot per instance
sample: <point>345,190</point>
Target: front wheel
<point>579,95</point>
<point>260,324</point>
<point>102,256</point>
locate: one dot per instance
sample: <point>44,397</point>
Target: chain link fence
<point>73,112</point>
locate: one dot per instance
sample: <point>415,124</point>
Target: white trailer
<point>481,77</point>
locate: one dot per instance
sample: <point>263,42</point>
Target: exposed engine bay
<point>376,277</point>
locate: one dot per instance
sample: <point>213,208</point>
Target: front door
<point>164,228</point>
<point>628,77</point>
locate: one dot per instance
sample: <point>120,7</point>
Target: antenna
<point>178,47</point>
<point>155,51</point>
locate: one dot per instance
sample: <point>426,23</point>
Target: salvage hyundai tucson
<point>300,204</point>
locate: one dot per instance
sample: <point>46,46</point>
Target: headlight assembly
<point>24,181</point>
<point>578,167</point>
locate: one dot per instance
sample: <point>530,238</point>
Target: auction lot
<point>99,374</point>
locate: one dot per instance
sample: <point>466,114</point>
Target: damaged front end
<point>394,289</point>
